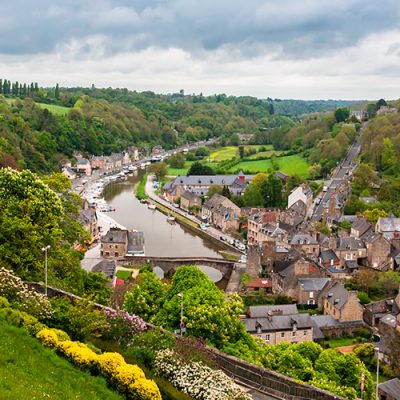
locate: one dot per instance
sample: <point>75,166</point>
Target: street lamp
<point>45,249</point>
<point>182,325</point>
<point>377,372</point>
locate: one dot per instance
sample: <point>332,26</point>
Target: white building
<point>302,193</point>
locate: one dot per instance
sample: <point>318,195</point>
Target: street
<point>341,172</point>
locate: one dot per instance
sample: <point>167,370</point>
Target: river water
<point>161,238</point>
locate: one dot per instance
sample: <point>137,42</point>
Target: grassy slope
<point>290,165</point>
<point>54,109</point>
<point>29,371</point>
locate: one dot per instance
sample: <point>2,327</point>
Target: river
<point>161,237</point>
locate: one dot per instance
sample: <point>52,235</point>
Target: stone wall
<point>258,378</point>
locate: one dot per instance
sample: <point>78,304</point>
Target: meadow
<point>54,109</point>
<point>30,371</point>
<point>290,165</point>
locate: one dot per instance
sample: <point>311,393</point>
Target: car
<point>223,238</point>
<point>203,227</point>
<point>318,201</point>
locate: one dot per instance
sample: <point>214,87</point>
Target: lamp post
<point>182,325</point>
<point>377,372</point>
<point>45,249</point>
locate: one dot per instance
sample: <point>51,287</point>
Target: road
<point>340,173</point>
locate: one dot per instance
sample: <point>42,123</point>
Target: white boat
<point>151,207</point>
<point>171,218</point>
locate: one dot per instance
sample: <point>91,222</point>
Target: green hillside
<point>30,371</point>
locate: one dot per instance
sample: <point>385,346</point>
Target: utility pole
<point>45,249</point>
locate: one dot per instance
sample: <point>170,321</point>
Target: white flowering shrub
<point>196,379</point>
<point>21,297</point>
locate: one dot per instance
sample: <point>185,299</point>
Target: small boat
<point>171,218</point>
<point>151,207</point>
<point>143,201</point>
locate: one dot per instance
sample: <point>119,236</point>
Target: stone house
<point>83,166</point>
<point>340,303</point>
<point>69,173</point>
<point>121,243</point>
<point>373,312</point>
<point>305,244</point>
<point>389,390</point>
<point>378,252</point>
<point>276,325</point>
<point>328,258</point>
<point>98,162</point>
<point>350,249</point>
<point>133,153</point>
<point>302,193</point>
<point>222,213</point>
<point>359,227</point>
<point>295,214</point>
<point>88,218</point>
<point>286,275</point>
<point>189,200</point>
<point>310,289</point>
<point>256,222</point>
<point>390,229</point>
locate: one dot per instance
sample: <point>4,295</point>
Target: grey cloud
<point>293,28</point>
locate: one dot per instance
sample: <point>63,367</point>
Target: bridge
<point>170,264</point>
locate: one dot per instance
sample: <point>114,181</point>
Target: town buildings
<point>121,243</point>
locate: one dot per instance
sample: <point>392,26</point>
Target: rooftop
<point>262,311</point>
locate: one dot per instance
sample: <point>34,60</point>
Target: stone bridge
<point>170,264</point>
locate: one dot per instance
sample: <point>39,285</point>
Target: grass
<point>228,152</point>
<point>54,109</point>
<point>180,171</point>
<point>123,274</point>
<point>289,165</point>
<point>30,371</point>
<point>140,189</point>
<point>333,343</point>
<point>229,256</point>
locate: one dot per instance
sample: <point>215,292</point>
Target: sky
<point>300,49</point>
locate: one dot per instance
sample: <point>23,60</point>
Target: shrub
<point>127,374</point>
<point>144,389</point>
<point>108,364</point>
<point>48,337</point>
<point>4,303</point>
<point>79,354</point>
<point>20,296</point>
<point>61,335</point>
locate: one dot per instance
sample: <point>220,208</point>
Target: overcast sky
<point>305,49</point>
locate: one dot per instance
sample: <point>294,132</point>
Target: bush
<point>48,337</point>
<point>61,335</point>
<point>4,303</point>
<point>79,354</point>
<point>145,389</point>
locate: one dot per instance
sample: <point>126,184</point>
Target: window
<point>305,333</point>
<point>311,302</point>
<point>311,295</point>
<point>283,334</point>
<point>267,337</point>
<point>293,334</point>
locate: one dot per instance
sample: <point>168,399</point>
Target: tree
<point>252,196</point>
<point>271,191</point>
<point>341,114</point>
<point>373,215</point>
<point>159,169</point>
<point>226,192</point>
<point>146,296</point>
<point>364,176</point>
<point>214,189</point>
<point>207,311</point>
<point>202,152</point>
<point>241,151</point>
<point>57,92</point>
<point>176,161</point>
<point>200,169</point>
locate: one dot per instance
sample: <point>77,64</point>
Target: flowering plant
<point>21,297</point>
<point>122,326</point>
<point>196,379</point>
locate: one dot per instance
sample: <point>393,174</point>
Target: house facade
<point>189,200</point>
<point>302,193</point>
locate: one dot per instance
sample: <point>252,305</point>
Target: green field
<point>229,152</point>
<point>265,154</point>
<point>30,371</point>
<point>123,274</point>
<point>180,171</point>
<point>289,165</point>
<point>54,109</point>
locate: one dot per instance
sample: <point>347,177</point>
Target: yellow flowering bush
<point>47,337</point>
<point>144,389</point>
<point>108,364</point>
<point>127,374</point>
<point>78,353</point>
<point>61,335</point>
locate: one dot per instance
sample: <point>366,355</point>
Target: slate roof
<point>389,319</point>
<point>262,311</point>
<point>107,267</point>
<point>350,243</point>
<point>135,242</point>
<point>214,201</point>
<point>83,161</point>
<point>115,235</point>
<point>337,295</point>
<point>302,238</point>
<point>328,255</point>
<point>313,284</point>
<point>391,387</point>
<point>361,225</point>
<point>278,323</point>
<point>389,224</point>
<point>189,195</point>
<point>320,321</point>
